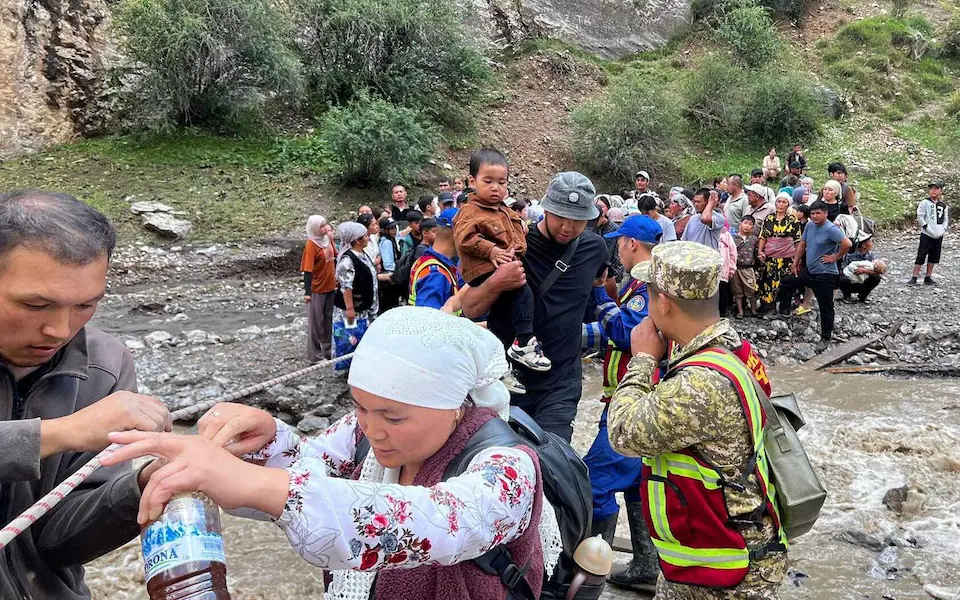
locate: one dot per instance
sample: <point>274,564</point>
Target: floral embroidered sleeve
<point>334,447</point>
<point>345,524</point>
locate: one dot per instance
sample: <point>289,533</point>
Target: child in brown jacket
<point>488,234</point>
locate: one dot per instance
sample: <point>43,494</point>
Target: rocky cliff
<point>51,64</point>
<point>609,28</point>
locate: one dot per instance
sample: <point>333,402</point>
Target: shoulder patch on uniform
<point>637,303</point>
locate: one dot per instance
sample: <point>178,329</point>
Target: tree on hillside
<point>200,61</point>
<point>413,53</point>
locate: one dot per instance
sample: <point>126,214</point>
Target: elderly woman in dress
<point>392,520</point>
<point>356,303</point>
<point>776,248</point>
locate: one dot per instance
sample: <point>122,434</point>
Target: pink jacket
<point>728,250</point>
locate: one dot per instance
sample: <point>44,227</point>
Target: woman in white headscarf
<point>319,283</point>
<point>356,302</point>
<point>423,382</point>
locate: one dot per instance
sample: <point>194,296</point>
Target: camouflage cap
<point>683,270</point>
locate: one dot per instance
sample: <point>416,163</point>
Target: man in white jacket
<point>933,219</point>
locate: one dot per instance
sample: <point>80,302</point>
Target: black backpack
<point>401,273</point>
<point>566,486</point>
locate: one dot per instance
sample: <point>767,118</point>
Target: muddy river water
<point>866,435</point>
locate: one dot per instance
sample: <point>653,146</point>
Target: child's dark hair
<point>803,209</point>
<point>793,180</point>
<point>424,202</point>
<point>748,219</point>
<point>486,156</point>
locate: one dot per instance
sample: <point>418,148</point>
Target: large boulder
<point>52,55</point>
<point>609,28</point>
<point>166,225</point>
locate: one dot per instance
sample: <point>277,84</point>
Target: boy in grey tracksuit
<point>933,219</point>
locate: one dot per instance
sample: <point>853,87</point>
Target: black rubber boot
<point>607,528</point>
<point>640,573</point>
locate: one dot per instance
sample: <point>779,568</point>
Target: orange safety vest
<point>683,495</point>
<point>423,265</point>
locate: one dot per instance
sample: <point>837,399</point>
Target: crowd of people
<point>504,296</point>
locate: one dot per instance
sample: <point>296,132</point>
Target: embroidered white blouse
<point>337,523</point>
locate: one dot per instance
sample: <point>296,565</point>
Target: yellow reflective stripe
<point>613,369</point>
<point>714,558</point>
<point>415,277</point>
<point>684,466</point>
<point>657,495</point>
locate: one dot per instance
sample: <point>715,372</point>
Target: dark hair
<point>69,230</point>
<point>818,205</point>
<point>413,216</point>
<point>717,181</point>
<point>705,192</point>
<point>802,209</point>
<point>519,205</point>
<point>792,181</point>
<point>605,199</point>
<point>428,224</point>
<point>424,202</point>
<point>646,203</point>
<point>836,167</point>
<point>447,180</point>
<point>486,156</point>
<point>394,186</point>
<point>366,219</point>
<point>748,218</point>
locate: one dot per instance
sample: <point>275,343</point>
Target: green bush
<point>371,140</point>
<point>778,111</point>
<point>713,98</point>
<point>634,122</point>
<point>950,46</point>
<point>750,34</point>
<point>414,53</point>
<point>203,61</point>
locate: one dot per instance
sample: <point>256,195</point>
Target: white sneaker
<point>530,356</point>
<point>512,384</point>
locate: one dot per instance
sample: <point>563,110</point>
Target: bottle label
<point>180,537</point>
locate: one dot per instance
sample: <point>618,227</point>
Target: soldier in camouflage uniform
<point>697,408</point>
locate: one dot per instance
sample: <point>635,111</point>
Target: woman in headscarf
<point>319,283</point>
<point>357,301</point>
<point>680,210</point>
<point>801,196</point>
<point>393,520</point>
<point>831,197</point>
<point>776,249</point>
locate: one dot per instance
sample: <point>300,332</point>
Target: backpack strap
<point>559,268</point>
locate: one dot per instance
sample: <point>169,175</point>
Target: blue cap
<point>639,227</point>
<point>446,217</point>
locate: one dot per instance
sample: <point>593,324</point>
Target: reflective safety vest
<point>697,539</point>
<point>615,361</point>
<point>422,266</point>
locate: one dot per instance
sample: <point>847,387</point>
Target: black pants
<point>389,296</point>
<point>823,287</point>
<point>861,289</point>
<point>551,413</point>
<point>518,304</point>
<point>929,251</point>
<point>725,297</point>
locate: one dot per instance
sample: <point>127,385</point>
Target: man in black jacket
<point>63,387</point>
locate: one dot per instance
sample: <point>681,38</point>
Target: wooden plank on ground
<point>899,369</point>
<point>838,353</point>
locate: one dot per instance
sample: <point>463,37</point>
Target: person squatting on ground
<point>932,216</point>
<point>391,527</point>
<point>488,235</point>
<point>561,264</point>
<point>862,272</point>
<point>319,284</point>
<point>696,426</point>
<point>612,473</point>
<point>821,247</point>
<point>63,387</point>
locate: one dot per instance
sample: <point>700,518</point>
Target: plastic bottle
<point>183,552</point>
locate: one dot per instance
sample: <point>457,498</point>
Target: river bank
<point>202,321</point>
